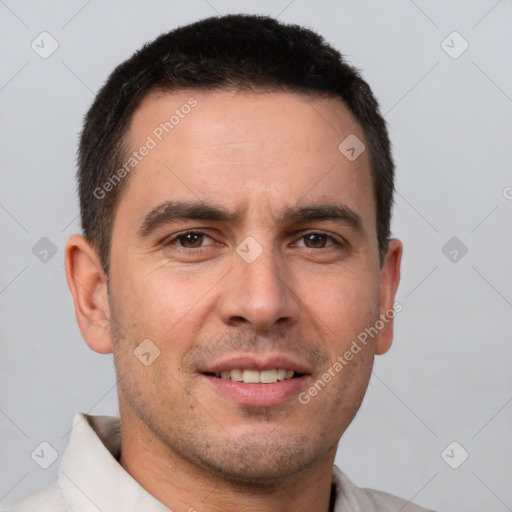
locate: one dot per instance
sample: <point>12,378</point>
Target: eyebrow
<point>173,211</point>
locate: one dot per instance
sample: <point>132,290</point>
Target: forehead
<point>299,118</point>
<point>260,151</point>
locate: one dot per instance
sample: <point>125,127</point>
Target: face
<point>244,248</point>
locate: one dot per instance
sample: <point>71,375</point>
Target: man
<point>236,184</point>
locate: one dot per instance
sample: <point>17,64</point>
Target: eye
<point>318,240</point>
<point>188,240</point>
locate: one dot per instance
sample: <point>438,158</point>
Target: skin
<point>188,445</point>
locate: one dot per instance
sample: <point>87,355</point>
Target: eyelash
<point>170,241</point>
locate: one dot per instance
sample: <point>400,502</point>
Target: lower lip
<point>258,395</point>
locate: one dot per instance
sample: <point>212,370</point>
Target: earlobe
<point>389,280</point>
<point>88,286</point>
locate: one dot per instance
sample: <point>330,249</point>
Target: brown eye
<point>315,240</point>
<point>188,240</point>
<point>191,240</point>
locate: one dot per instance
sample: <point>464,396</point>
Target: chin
<point>260,459</point>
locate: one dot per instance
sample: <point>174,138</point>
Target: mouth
<point>257,381</point>
<point>249,376</point>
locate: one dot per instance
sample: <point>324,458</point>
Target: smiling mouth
<point>247,376</point>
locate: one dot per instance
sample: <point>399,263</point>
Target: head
<point>225,224</point>
<point>234,52</point>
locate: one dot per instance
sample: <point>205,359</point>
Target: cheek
<point>345,302</point>
<point>159,303</point>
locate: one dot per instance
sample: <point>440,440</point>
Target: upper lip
<point>258,362</point>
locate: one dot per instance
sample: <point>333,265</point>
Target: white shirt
<point>92,480</point>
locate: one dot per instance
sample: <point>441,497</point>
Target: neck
<point>186,487</point>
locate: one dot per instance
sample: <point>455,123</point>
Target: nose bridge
<point>259,265</point>
<point>259,291</point>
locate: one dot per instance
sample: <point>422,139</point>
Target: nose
<point>259,294</point>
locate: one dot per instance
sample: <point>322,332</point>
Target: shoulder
<point>351,497</point>
<point>48,499</point>
<point>384,502</point>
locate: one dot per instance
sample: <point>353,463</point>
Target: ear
<point>389,279</point>
<point>88,285</point>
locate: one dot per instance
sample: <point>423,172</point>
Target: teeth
<point>255,376</point>
<point>236,375</point>
<point>251,376</point>
<point>268,376</point>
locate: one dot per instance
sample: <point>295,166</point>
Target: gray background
<point>447,377</point>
